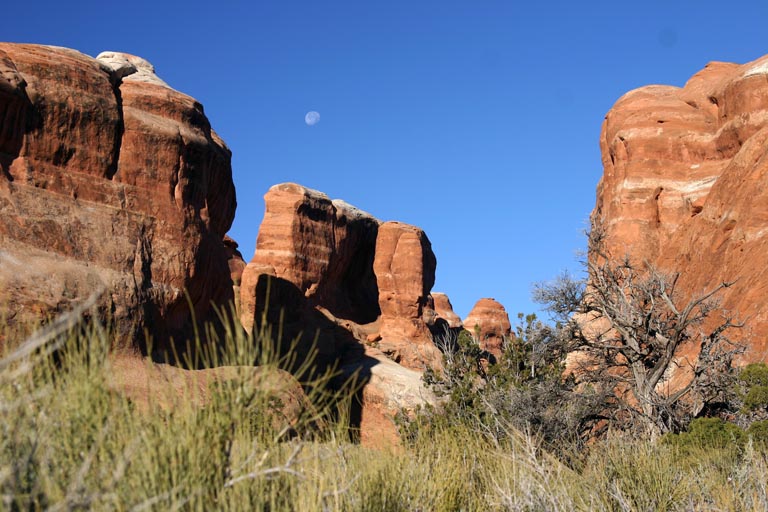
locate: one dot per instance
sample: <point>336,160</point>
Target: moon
<point>312,118</point>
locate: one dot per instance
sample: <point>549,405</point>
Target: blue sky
<point>477,121</point>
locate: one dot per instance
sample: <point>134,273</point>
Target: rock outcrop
<point>371,278</point>
<point>329,278</point>
<point>685,186</point>
<point>109,179</point>
<point>390,389</point>
<point>151,386</point>
<point>325,248</point>
<point>405,272</point>
<point>489,324</point>
<point>444,310</point>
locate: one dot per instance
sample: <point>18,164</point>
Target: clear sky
<point>477,121</point>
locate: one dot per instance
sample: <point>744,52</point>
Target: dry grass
<point>70,441</point>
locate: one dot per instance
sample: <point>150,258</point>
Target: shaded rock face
<point>489,324</point>
<point>685,186</point>
<point>109,178</point>
<point>390,389</point>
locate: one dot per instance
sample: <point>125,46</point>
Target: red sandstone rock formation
<point>685,186</point>
<point>489,324</point>
<point>325,248</point>
<point>334,278</point>
<point>350,267</point>
<point>109,178</point>
<point>151,387</point>
<point>390,389</point>
<point>405,272</point>
<point>444,309</point>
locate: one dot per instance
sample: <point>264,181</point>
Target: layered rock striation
<point>109,179</point>
<point>685,186</point>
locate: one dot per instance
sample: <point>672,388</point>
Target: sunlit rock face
<point>489,324</point>
<point>685,186</point>
<point>109,179</point>
<point>405,272</point>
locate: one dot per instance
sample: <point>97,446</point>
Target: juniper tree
<point>627,322</point>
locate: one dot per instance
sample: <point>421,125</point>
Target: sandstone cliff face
<point>109,178</point>
<point>489,323</point>
<point>685,186</point>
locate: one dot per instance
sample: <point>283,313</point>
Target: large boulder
<point>151,387</point>
<point>109,179</point>
<point>685,187</point>
<point>385,391</point>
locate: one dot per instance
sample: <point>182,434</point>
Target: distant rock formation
<point>444,310</point>
<point>685,186</point>
<point>325,248</point>
<point>489,324</point>
<point>109,179</point>
<point>371,277</point>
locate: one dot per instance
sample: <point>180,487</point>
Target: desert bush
<point>709,433</point>
<point>70,440</point>
<point>627,321</point>
<point>752,388</point>
<point>758,432</point>
<point>754,374</point>
<point>756,398</point>
<point>523,391</point>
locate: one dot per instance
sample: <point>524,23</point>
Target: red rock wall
<point>109,178</point>
<point>685,186</point>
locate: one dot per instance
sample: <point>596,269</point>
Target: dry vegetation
<point>70,441</point>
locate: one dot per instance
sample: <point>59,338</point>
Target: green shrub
<point>758,431</point>
<point>709,433</point>
<point>752,392</point>
<point>755,374</point>
<point>523,390</point>
<point>756,398</point>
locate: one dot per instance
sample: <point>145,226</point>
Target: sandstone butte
<point>685,187</point>
<point>111,180</point>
